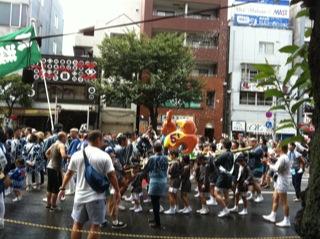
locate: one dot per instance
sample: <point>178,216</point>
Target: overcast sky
<point>79,13</point>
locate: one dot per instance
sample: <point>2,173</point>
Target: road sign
<point>268,114</point>
<point>269,125</point>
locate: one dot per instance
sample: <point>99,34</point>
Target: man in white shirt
<point>89,206</point>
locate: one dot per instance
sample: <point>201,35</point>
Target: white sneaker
<point>234,209</point>
<point>197,195</point>
<point>259,199</point>
<point>44,199</point>
<point>187,210</point>
<point>243,212</point>
<point>181,210</point>
<point>249,196</point>
<point>121,207</point>
<point>139,209</point>
<point>132,208</point>
<point>284,223</point>
<point>128,199</point>
<point>148,200</point>
<point>161,209</point>
<point>171,211</point>
<point>204,211</point>
<point>212,202</point>
<point>224,213</point>
<point>270,218</point>
<point>17,199</point>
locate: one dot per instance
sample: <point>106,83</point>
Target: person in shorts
<point>281,186</point>
<point>242,181</point>
<point>174,182</point>
<point>89,205</point>
<point>203,183</point>
<point>185,184</point>
<point>56,153</point>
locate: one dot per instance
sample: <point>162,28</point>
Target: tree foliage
<point>13,91</point>
<point>294,90</point>
<point>148,71</point>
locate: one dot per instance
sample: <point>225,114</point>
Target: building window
<point>248,73</point>
<point>266,48</point>
<point>205,70</point>
<point>254,98</point>
<point>56,21</point>
<point>54,48</point>
<point>197,40</point>
<point>14,15</point>
<point>24,15</point>
<point>210,98</point>
<point>5,10</point>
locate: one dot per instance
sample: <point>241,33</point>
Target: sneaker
<point>17,199</point>
<point>121,207</point>
<point>197,195</point>
<point>181,210</point>
<point>297,200</point>
<point>170,211</point>
<point>128,199</point>
<point>187,210</point>
<point>148,200</point>
<point>119,225</point>
<point>139,209</point>
<point>243,212</point>
<point>259,199</point>
<point>284,223</point>
<point>44,199</point>
<point>132,208</point>
<point>270,218</point>
<point>204,211</point>
<point>249,196</point>
<point>224,213</point>
<point>161,209</point>
<point>212,202</point>
<point>234,209</point>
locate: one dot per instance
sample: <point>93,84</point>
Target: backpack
<point>96,181</point>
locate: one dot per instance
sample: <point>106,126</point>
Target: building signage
<point>66,69</point>
<point>239,126</point>
<point>263,14</point>
<point>177,117</point>
<point>257,128</point>
<point>251,86</point>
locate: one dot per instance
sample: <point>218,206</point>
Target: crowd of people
<point>215,170</point>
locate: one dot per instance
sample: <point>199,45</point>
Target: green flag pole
<point>45,83</point>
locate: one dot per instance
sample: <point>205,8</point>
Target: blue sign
<point>260,21</point>
<point>269,125</point>
<point>274,2</point>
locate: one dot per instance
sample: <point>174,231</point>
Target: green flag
<point>18,51</point>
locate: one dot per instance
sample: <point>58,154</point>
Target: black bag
<point>97,182</point>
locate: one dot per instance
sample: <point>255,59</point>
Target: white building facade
<point>257,32</point>
<point>113,118</point>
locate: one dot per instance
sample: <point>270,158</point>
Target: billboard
<point>262,13</point>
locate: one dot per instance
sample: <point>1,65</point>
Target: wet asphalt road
<point>32,209</point>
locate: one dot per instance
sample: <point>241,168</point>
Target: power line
<point>140,22</point>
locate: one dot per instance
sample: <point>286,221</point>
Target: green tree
<point>13,91</point>
<point>308,220</point>
<point>148,71</point>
